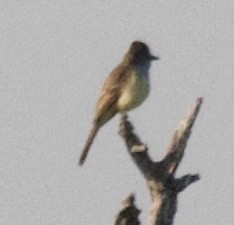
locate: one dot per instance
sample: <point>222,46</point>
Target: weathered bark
<point>160,176</point>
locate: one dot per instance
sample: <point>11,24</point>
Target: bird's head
<point>139,53</point>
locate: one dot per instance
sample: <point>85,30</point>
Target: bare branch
<point>185,181</point>
<point>180,138</point>
<point>162,184</point>
<point>137,150</point>
<point>129,214</point>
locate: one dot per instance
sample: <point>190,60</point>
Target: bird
<point>124,89</point>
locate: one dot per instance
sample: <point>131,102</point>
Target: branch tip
<point>129,200</point>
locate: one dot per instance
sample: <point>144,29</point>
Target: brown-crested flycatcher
<point>126,88</point>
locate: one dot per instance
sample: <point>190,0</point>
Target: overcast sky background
<point>54,57</point>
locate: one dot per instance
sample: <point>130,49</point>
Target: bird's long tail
<point>88,144</point>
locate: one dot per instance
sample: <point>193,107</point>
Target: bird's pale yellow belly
<point>134,93</point>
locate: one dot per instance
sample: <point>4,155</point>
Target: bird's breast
<point>134,92</point>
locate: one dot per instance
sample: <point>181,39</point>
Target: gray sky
<point>54,57</point>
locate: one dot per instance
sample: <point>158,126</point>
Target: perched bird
<point>126,88</point>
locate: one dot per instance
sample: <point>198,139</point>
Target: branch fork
<point>160,176</point>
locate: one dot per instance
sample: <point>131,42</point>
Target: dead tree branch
<point>160,176</point>
<point>129,214</point>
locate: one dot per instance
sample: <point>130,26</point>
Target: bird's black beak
<point>152,57</point>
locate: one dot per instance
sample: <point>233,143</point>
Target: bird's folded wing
<point>111,91</point>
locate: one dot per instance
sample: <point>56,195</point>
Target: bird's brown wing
<point>111,91</point>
